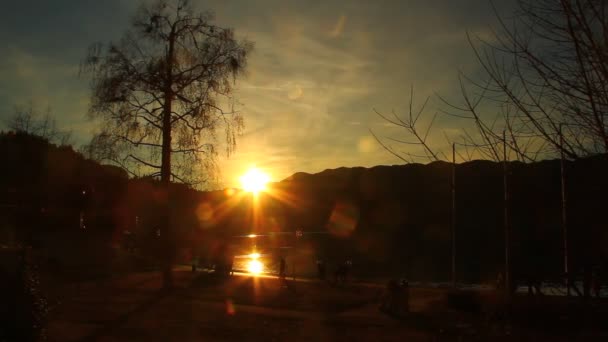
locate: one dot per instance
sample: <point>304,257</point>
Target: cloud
<point>317,92</point>
<point>295,92</point>
<point>337,31</point>
<point>45,82</point>
<point>317,70</point>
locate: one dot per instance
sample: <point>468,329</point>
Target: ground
<point>243,308</point>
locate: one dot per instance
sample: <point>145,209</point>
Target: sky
<point>318,71</point>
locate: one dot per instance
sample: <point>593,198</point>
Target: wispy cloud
<point>318,69</point>
<point>337,31</point>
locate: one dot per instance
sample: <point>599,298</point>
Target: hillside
<point>400,216</point>
<point>387,219</point>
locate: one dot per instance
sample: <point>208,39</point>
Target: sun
<point>254,180</point>
<point>255,267</point>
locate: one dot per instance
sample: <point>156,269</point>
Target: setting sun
<point>254,180</point>
<point>255,267</point>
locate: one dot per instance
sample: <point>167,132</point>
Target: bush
<point>23,308</point>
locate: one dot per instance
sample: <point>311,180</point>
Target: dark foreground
<point>204,308</point>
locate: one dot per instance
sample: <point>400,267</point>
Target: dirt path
<point>204,308</point>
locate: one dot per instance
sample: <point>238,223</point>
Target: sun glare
<point>254,180</point>
<point>255,266</point>
<point>254,256</point>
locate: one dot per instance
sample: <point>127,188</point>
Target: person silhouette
<point>348,265</point>
<point>282,267</point>
<point>499,281</point>
<point>321,269</point>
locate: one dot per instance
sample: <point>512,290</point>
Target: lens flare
<point>343,219</point>
<point>205,214</point>
<point>230,307</point>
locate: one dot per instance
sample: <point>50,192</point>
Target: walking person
<point>499,281</point>
<point>348,264</point>
<point>340,274</point>
<point>230,264</point>
<point>596,283</point>
<point>282,269</point>
<point>321,269</point>
<point>391,299</point>
<point>405,294</point>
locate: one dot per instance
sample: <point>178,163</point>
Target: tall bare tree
<point>545,90</point>
<point>546,85</point>
<point>546,69</point>
<point>161,91</point>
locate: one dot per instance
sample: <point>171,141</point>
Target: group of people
<point>221,261</point>
<point>591,283</point>
<point>341,273</point>
<point>396,298</point>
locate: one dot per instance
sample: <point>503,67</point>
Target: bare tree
<point>418,137</point>
<point>547,73</point>
<point>160,93</point>
<point>546,69</point>
<point>544,94</point>
<point>487,130</point>
<point>28,119</point>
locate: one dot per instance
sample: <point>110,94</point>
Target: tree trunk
<point>165,174</point>
<point>165,178</point>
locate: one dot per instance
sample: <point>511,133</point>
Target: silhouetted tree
<point>544,91</point>
<point>159,90</point>
<point>417,137</point>
<point>546,71</point>
<point>545,80</point>
<point>29,120</point>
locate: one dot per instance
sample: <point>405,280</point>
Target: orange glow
<point>254,180</point>
<point>285,197</point>
<point>205,214</point>
<point>343,219</point>
<point>255,266</point>
<point>254,256</point>
<point>230,307</point>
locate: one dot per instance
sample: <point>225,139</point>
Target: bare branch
<point>157,91</point>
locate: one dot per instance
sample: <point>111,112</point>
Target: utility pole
<point>454,215</point>
<point>298,234</point>
<point>506,218</point>
<point>564,215</point>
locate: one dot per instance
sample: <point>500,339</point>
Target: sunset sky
<point>318,70</point>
